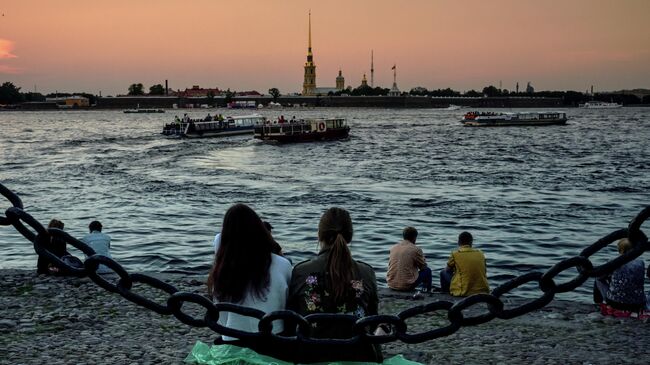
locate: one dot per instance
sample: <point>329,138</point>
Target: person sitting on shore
<point>275,246</point>
<point>100,242</point>
<point>246,272</point>
<point>466,271</point>
<point>55,246</point>
<point>623,290</point>
<point>407,267</point>
<point>333,282</point>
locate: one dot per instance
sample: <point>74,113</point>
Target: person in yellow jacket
<point>466,271</point>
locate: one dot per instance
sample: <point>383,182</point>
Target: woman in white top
<point>246,272</point>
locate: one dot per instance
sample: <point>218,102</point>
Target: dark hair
<point>243,259</point>
<point>55,223</point>
<point>335,232</point>
<point>410,234</point>
<point>268,226</point>
<point>465,238</point>
<point>95,226</point>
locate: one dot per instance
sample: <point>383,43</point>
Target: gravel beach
<point>57,320</point>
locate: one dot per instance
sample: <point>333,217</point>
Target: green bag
<point>235,355</point>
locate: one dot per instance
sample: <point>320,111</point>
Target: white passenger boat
<point>600,105</point>
<point>494,119</point>
<point>213,127</point>
<point>303,130</point>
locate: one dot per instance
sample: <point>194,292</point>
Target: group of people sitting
<point>98,241</point>
<point>249,269</point>
<point>465,273</point>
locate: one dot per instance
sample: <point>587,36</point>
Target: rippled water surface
<point>530,196</point>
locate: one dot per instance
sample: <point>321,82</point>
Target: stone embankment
<point>55,320</point>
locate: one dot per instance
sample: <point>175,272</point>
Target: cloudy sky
<point>104,46</point>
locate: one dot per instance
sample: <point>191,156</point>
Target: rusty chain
<point>300,328</point>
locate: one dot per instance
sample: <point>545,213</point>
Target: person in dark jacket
<point>333,282</point>
<point>57,247</point>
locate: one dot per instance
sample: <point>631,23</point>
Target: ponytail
<point>335,232</point>
<point>340,268</point>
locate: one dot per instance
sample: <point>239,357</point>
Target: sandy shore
<point>52,320</point>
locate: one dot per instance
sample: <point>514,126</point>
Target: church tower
<point>309,84</point>
<point>364,81</point>
<point>340,81</point>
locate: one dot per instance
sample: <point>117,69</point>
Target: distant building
<point>74,101</point>
<point>197,91</point>
<point>340,81</point>
<point>309,84</point>
<point>248,93</point>
<point>364,81</point>
<point>529,88</point>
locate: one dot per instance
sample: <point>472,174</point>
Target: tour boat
<point>600,105</point>
<point>242,104</point>
<point>493,119</point>
<point>138,110</point>
<point>304,130</point>
<point>213,127</point>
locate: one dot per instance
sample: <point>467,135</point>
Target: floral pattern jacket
<point>309,293</point>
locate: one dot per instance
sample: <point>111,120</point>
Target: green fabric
<point>235,355</point>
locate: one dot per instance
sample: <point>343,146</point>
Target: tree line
<point>11,94</point>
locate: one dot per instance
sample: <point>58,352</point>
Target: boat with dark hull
<point>493,119</point>
<point>209,127</point>
<point>306,130</point>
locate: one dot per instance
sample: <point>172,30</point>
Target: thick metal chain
<point>300,326</point>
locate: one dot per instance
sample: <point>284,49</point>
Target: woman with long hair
<point>333,282</point>
<point>57,247</point>
<point>246,272</point>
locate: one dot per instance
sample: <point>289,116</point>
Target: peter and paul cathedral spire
<point>309,83</point>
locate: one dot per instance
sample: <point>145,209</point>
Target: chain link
<point>298,329</point>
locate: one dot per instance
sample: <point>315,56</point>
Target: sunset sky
<point>105,46</point>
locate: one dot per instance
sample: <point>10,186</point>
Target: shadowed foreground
<point>68,320</point>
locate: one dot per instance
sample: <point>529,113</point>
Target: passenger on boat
<point>466,271</point>
<point>293,119</point>
<point>177,120</point>
<point>407,267</point>
<point>333,282</point>
<point>208,118</point>
<point>246,272</point>
<point>281,119</point>
<point>623,289</point>
<point>186,118</point>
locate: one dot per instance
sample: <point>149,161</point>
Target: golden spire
<point>309,49</point>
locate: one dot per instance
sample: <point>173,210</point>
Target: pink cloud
<point>6,47</point>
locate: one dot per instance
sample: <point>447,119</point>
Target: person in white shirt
<point>246,272</point>
<point>100,242</point>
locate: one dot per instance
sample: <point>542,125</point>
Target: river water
<point>530,196</point>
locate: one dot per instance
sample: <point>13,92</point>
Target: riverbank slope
<point>54,320</point>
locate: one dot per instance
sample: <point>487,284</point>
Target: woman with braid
<point>333,282</point>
